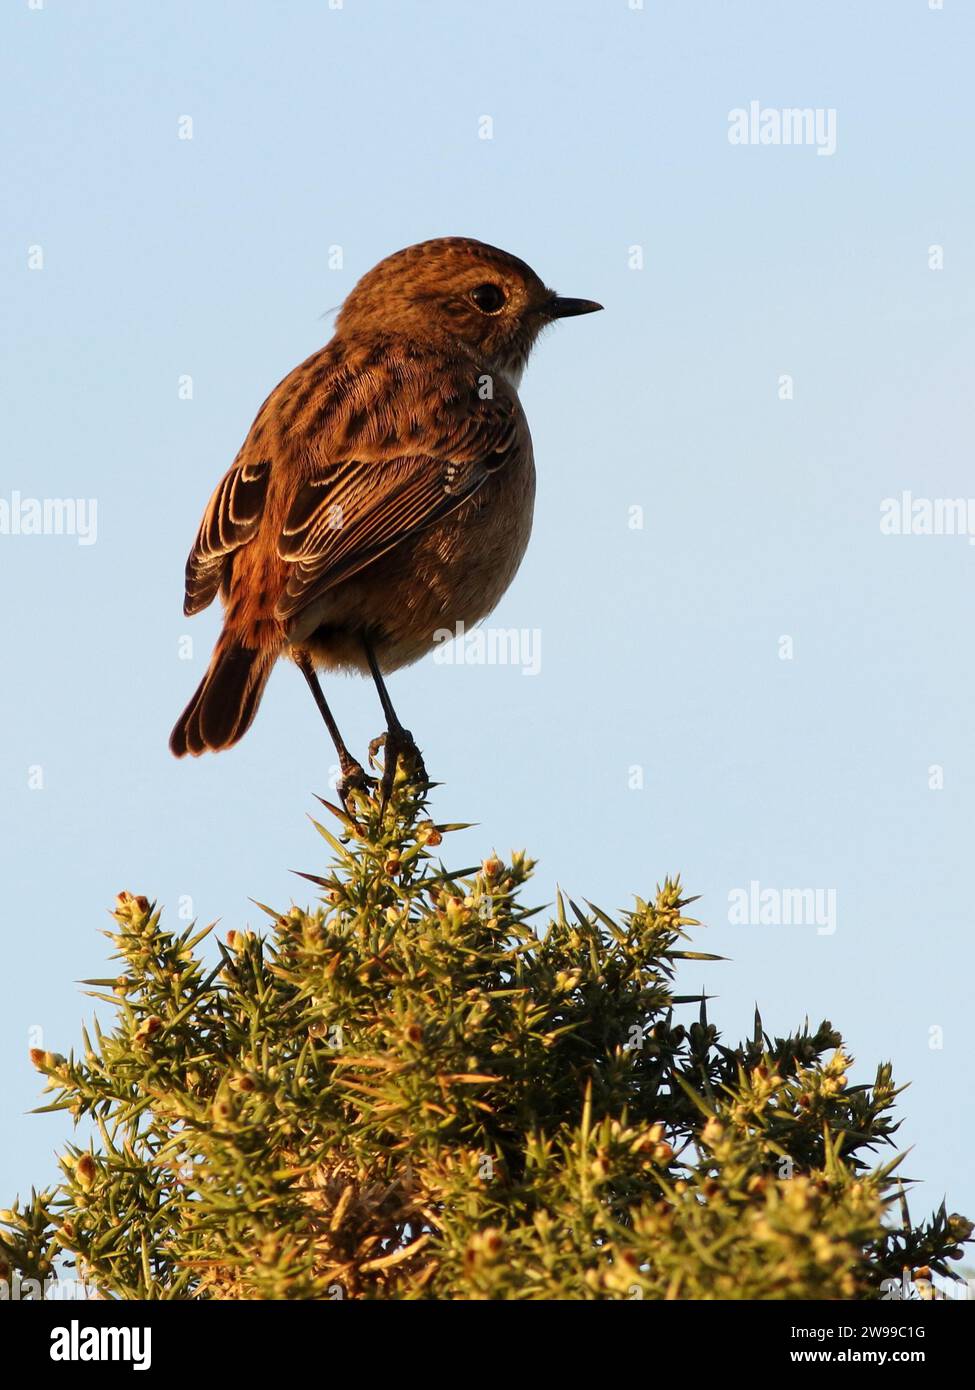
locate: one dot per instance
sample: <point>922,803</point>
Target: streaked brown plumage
<point>385,489</point>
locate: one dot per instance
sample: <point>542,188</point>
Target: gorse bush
<point>409,1091</point>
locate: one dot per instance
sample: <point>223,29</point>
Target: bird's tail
<point>226,700</point>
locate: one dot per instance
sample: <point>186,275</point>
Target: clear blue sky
<point>359,127</point>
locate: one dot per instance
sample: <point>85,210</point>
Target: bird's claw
<point>396,743</point>
<point>354,778</point>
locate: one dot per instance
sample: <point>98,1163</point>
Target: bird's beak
<point>559,308</point>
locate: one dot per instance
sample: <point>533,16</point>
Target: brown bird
<point>384,491</point>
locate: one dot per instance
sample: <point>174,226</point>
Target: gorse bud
<point>86,1172</point>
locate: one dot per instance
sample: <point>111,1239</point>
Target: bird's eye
<point>488,298</point>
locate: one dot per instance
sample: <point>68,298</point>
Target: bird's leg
<point>396,741</point>
<point>354,777</point>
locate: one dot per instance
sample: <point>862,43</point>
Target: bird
<point>384,492</point>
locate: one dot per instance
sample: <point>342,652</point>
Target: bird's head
<point>457,291</point>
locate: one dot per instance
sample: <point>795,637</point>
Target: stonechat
<point>384,491</point>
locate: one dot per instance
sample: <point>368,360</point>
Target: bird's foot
<point>396,743</point>
<point>354,778</point>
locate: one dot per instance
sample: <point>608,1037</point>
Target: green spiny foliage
<point>409,1092</point>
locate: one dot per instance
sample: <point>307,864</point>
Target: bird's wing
<point>348,517</point>
<point>231,519</point>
